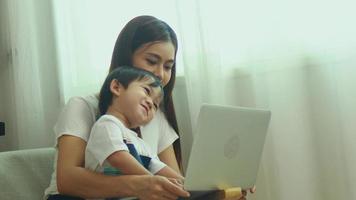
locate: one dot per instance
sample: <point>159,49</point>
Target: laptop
<point>227,148</point>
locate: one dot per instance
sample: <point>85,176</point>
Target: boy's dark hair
<point>124,75</point>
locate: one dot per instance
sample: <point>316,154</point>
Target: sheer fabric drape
<point>296,58</point>
<point>28,74</point>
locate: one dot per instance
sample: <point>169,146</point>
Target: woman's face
<point>156,57</point>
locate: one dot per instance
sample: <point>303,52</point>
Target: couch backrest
<point>25,174</point>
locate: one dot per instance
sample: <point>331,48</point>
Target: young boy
<point>128,99</point>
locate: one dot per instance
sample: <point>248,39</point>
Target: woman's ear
<point>116,87</point>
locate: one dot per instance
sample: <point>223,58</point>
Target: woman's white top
<point>78,117</point>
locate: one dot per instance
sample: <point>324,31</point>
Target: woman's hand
<point>177,181</point>
<point>158,188</point>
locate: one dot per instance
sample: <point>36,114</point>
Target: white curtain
<point>53,50</point>
<point>28,75</point>
<point>295,58</point>
<point>86,31</point>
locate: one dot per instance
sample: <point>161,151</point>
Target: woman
<point>150,44</point>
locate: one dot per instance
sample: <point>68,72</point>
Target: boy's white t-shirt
<point>107,136</point>
<point>78,117</point>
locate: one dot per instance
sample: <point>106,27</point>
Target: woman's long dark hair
<point>137,32</point>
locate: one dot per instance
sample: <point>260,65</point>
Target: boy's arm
<point>169,158</point>
<point>127,164</point>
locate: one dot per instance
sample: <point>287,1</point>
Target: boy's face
<point>139,102</point>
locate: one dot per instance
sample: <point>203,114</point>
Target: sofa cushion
<point>25,173</point>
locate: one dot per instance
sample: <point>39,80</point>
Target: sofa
<point>25,174</point>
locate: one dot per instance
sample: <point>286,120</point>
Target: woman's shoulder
<point>90,101</point>
<point>81,108</point>
<point>77,117</point>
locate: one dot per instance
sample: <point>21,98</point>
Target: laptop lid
<point>227,148</point>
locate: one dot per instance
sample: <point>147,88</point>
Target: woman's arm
<point>169,158</point>
<point>73,179</point>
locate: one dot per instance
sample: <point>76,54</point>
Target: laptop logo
<point>231,147</point>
